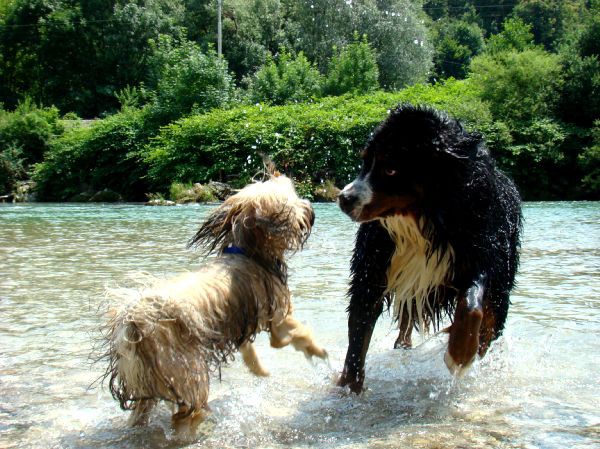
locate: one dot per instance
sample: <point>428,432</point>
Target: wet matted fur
<point>439,236</point>
<point>164,340</point>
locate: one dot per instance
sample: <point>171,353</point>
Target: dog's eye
<point>390,171</point>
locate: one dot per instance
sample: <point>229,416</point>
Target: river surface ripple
<point>538,387</point>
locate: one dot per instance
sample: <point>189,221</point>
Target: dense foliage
<point>166,108</point>
<point>313,142</point>
<point>25,136</point>
<point>285,79</point>
<point>353,69</point>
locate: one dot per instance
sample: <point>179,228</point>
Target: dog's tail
<point>151,356</point>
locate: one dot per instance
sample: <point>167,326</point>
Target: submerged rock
<point>82,197</point>
<point>23,193</point>
<point>160,202</point>
<point>221,190</point>
<point>106,196</point>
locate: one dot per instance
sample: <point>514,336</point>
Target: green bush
<point>589,160</point>
<point>311,142</point>
<point>188,80</point>
<point>285,79</point>
<point>519,86</point>
<point>353,69</point>
<point>456,42</point>
<point>29,128</point>
<point>11,168</point>
<point>101,156</point>
<point>25,134</point>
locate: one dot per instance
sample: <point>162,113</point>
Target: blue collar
<point>234,250</point>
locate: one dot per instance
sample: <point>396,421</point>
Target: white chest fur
<point>415,273</point>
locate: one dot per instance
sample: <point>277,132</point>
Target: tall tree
<point>580,98</point>
<point>394,28</point>
<point>456,42</point>
<point>251,30</point>
<point>547,18</point>
<point>76,54</point>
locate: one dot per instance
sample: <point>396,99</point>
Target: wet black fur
<point>468,204</point>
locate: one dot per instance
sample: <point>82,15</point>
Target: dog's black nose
<point>347,200</point>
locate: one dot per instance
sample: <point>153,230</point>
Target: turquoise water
<point>538,387</point>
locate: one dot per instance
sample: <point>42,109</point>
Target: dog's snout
<point>347,199</point>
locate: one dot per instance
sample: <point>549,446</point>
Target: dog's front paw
<point>353,383</point>
<point>456,368</point>
<point>316,351</point>
<point>259,370</point>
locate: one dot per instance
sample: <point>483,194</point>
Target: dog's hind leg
<point>185,422</point>
<point>291,331</point>
<point>252,361</point>
<point>140,414</point>
<point>495,308</point>
<point>463,341</point>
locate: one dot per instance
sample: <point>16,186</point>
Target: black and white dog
<point>439,236</point>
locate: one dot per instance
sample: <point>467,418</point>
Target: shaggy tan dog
<point>164,342</point>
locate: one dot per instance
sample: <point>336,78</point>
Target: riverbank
<point>134,154</point>
<point>178,194</point>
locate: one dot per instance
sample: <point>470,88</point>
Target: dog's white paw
<point>456,369</point>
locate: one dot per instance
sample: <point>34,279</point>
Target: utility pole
<point>219,28</point>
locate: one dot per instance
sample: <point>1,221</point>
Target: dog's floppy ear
<point>216,229</point>
<point>464,145</point>
<point>236,222</point>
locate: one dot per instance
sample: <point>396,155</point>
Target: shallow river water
<point>538,387</point>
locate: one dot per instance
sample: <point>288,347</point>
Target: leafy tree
<point>285,79</point>
<point>354,69</point>
<point>200,20</point>
<point>187,79</point>
<point>25,135</point>
<point>436,9</point>
<point>455,43</point>
<point>126,38</point>
<point>489,14</point>
<point>29,42</point>
<point>252,29</point>
<point>580,97</point>
<point>520,86</point>
<point>29,129</point>
<point>395,29</point>
<point>590,162</point>
<point>492,13</point>
<point>398,34</point>
<point>515,35</point>
<point>522,90</point>
<point>318,26</point>
<point>546,17</point>
<point>76,54</point>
